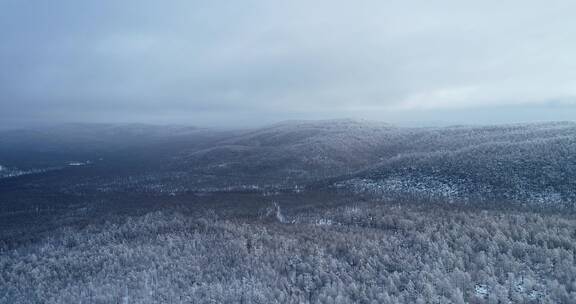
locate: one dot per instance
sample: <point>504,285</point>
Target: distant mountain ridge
<point>520,163</point>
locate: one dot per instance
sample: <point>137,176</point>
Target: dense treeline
<point>278,233</point>
<point>535,172</point>
<point>532,164</point>
<point>365,253</point>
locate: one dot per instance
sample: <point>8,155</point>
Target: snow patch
<point>481,291</point>
<point>79,163</point>
<point>324,222</point>
<point>279,216</point>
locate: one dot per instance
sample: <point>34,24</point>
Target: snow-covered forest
<point>287,152</point>
<point>360,253</point>
<point>299,212</point>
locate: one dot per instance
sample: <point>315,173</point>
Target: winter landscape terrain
<point>261,152</point>
<point>337,211</point>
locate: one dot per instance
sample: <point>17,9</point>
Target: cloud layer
<point>226,62</point>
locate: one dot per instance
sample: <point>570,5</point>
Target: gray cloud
<point>228,62</point>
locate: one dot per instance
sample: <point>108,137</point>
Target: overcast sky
<point>250,62</point>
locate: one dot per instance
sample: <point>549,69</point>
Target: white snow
<point>481,290</point>
<point>279,215</point>
<point>324,222</point>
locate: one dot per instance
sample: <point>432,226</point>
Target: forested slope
<point>361,253</point>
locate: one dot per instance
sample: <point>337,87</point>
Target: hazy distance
<point>250,63</point>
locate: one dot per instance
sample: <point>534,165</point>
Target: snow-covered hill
<point>531,164</point>
<point>524,163</point>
